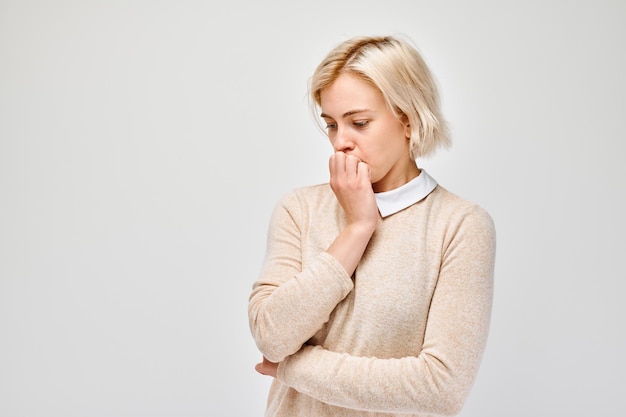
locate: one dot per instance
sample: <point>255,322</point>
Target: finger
<point>259,367</point>
<point>332,164</point>
<point>363,171</point>
<point>262,367</point>
<point>340,162</point>
<point>266,368</point>
<point>351,165</point>
<point>337,163</point>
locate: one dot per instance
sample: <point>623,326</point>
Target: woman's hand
<point>351,183</point>
<point>267,368</point>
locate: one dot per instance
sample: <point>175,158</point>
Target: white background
<point>143,145</point>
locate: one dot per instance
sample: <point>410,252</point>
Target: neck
<point>388,184</point>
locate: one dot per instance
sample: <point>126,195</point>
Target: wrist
<point>362,228</point>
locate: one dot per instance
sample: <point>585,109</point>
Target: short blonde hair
<point>395,68</point>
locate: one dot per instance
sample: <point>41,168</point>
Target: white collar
<point>393,201</point>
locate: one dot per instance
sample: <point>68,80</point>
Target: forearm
<point>350,244</point>
<point>414,385</point>
<point>283,317</point>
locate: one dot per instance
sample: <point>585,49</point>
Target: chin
<point>376,178</point>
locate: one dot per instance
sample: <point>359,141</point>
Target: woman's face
<point>360,123</point>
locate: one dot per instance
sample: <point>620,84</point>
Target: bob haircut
<point>400,73</point>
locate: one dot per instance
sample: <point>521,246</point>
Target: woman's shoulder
<point>456,208</point>
<point>452,200</point>
<point>309,196</point>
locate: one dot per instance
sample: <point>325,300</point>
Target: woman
<point>376,290</point>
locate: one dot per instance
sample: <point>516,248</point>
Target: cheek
<point>377,172</point>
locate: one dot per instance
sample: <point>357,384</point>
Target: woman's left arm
<point>439,379</point>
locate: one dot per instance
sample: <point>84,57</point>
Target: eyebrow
<point>346,114</point>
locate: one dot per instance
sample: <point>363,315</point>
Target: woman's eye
<point>331,125</point>
<point>361,123</point>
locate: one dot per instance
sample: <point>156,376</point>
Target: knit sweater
<point>404,335</point>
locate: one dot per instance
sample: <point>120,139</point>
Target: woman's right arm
<point>289,304</point>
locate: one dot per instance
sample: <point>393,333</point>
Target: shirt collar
<point>393,201</point>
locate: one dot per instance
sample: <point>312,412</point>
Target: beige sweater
<point>403,336</point>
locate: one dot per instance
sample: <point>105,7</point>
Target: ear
<point>407,126</point>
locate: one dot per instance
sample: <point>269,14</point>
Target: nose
<point>342,141</point>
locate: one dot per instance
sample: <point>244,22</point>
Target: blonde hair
<point>400,73</point>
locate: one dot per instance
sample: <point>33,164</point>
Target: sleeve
<point>288,304</point>
<point>439,379</point>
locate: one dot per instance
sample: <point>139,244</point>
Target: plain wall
<point>143,145</point>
